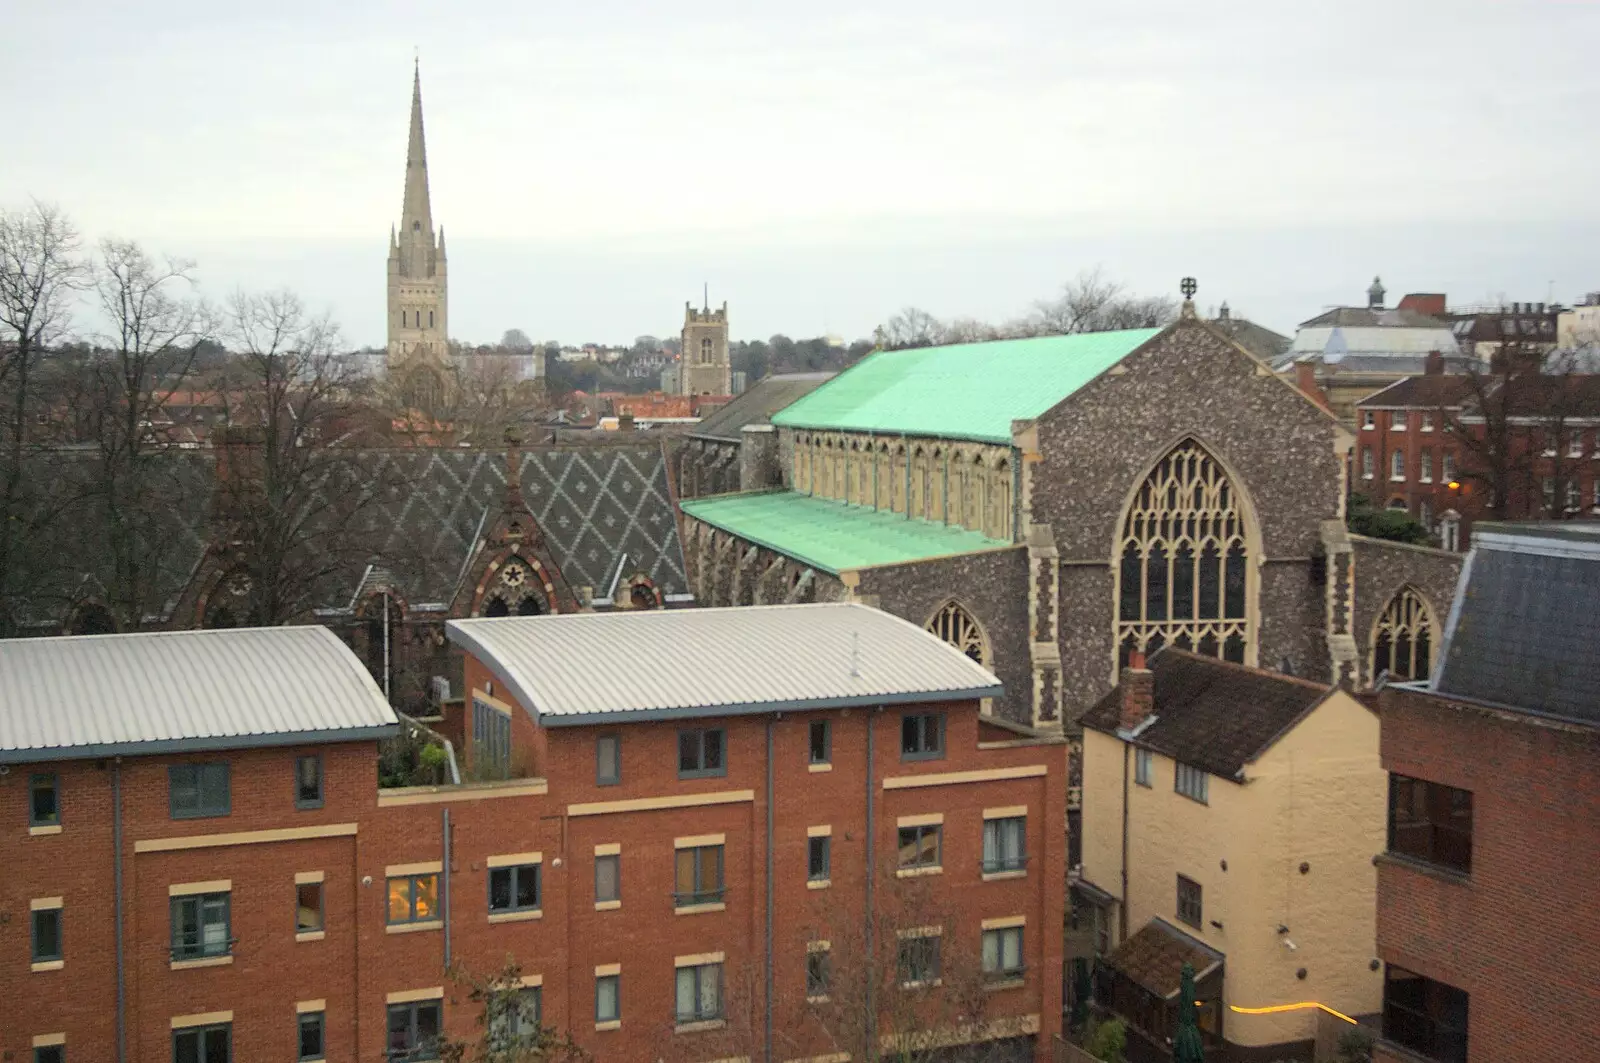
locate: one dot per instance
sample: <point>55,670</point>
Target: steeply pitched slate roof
<point>833,536</point>
<point>97,695</point>
<point>594,502</point>
<point>965,391</point>
<point>1526,623</point>
<point>758,404</point>
<point>1213,714</point>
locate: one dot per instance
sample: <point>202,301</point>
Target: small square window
<point>44,801</point>
<point>1368,419</point>
<point>821,742</point>
<point>413,898</point>
<point>514,889</point>
<point>918,960</point>
<point>1398,421</point>
<point>817,858</point>
<point>819,972</point>
<point>308,915</point>
<point>608,998</point>
<point>607,878</point>
<point>699,993</point>
<point>919,846</point>
<point>197,791</point>
<point>50,1054</point>
<point>1189,901</point>
<point>922,736</point>
<point>1005,844</point>
<point>308,782</point>
<point>1191,782</point>
<point>1141,766</point>
<point>608,760</point>
<point>701,753</point>
<point>1002,954</point>
<point>203,1044</point>
<point>311,1035</point>
<point>46,935</point>
<point>201,926</point>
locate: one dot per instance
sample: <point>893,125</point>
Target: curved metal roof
<point>103,695</point>
<point>632,666</point>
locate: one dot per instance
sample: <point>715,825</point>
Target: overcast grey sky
<point>823,164</point>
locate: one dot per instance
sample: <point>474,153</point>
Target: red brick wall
<point>358,962</point>
<point>1521,934</point>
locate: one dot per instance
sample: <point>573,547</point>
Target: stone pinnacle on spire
<point>417,215</point>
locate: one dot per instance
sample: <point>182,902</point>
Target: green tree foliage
<point>1107,1041</point>
<point>1363,518</point>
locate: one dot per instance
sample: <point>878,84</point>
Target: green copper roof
<point>968,391</point>
<point>833,536</point>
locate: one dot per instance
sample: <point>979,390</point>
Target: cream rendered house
<point>1230,818</point>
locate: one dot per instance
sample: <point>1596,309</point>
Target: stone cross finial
<point>1188,287</point>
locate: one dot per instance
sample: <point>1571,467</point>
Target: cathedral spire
<point>417,215</point>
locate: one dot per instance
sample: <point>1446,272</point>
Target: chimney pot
<point>1138,691</point>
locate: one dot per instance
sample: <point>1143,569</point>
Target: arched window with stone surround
<point>934,507</point>
<point>1185,571</point>
<point>883,479</point>
<point>231,602</point>
<point>972,517</point>
<point>917,499</point>
<point>955,489</point>
<point>516,591</point>
<point>953,624</point>
<point>897,480</point>
<point>1403,637</point>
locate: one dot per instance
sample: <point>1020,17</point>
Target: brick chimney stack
<point>1434,366</point>
<point>1305,378</point>
<point>1138,689</point>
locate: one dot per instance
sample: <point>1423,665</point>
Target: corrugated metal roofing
<point>833,536</point>
<point>97,695</point>
<point>594,667</point>
<point>965,391</point>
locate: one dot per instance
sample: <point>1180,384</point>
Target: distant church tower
<point>418,305</point>
<point>704,367</point>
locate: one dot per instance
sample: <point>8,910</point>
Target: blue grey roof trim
<point>197,745</point>
<point>590,719</point>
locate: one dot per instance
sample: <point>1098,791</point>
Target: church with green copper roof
<point>1052,505</point>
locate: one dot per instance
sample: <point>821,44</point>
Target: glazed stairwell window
<point>608,760</point>
<point>821,743</point>
<point>308,782</point>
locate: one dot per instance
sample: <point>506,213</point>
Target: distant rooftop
<point>158,692</point>
<point>758,404</point>
<point>964,391</point>
<point>1524,632</point>
<point>833,536</point>
<point>583,668</point>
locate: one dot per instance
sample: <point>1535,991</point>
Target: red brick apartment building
<point>756,834</point>
<point>1407,457</point>
<point>1488,897</point>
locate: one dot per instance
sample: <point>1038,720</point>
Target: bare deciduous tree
<point>1093,303</point>
<point>156,326</point>
<point>294,486</point>
<point>508,1028</point>
<point>40,270</point>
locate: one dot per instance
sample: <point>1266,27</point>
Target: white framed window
<point>1141,766</point>
<point>1574,496</point>
<point>1427,422</point>
<point>1425,466</point>
<point>1547,488</point>
<point>1575,445</point>
<point>1191,782</point>
<point>1449,466</point>
<point>1369,420</point>
<point>1397,465</point>
<point>1366,463</point>
<point>1398,420</point>
<point>1450,530</point>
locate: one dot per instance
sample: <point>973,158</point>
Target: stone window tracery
<point>953,624</point>
<point>1184,572</point>
<point>516,593</point>
<point>1404,637</point>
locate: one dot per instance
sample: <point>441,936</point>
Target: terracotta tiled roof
<point>1154,957</point>
<point>1213,714</point>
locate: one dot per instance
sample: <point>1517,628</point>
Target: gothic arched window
<point>1001,495</point>
<point>515,593</point>
<point>231,603</point>
<point>1184,572</point>
<point>1404,637</point>
<point>705,351</point>
<point>92,618</point>
<point>953,624</point>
